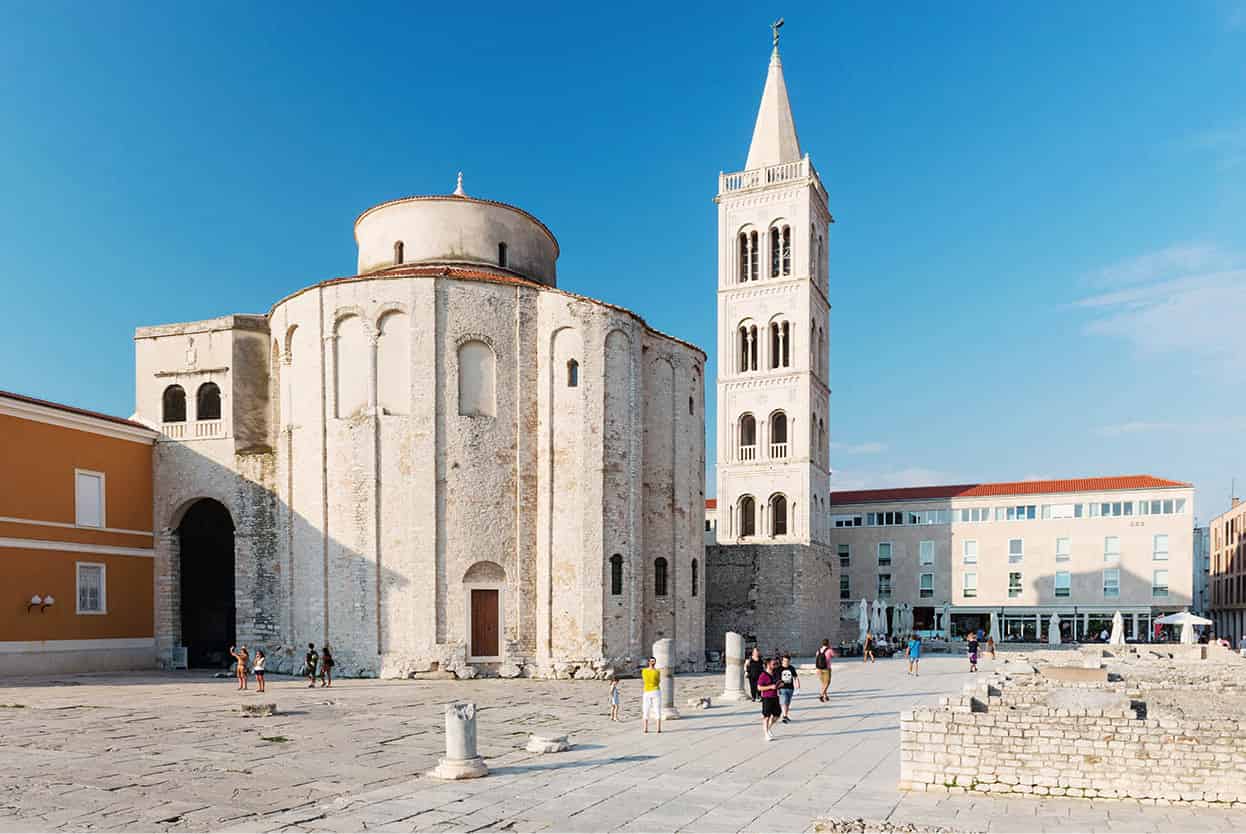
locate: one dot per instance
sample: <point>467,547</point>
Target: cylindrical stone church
<point>443,462</point>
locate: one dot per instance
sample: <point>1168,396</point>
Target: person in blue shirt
<point>915,653</point>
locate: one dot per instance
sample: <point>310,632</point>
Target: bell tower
<point>773,397</point>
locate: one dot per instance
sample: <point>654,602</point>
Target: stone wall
<point>779,597</point>
<point>1086,741</point>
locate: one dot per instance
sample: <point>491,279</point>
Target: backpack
<point>819,662</point>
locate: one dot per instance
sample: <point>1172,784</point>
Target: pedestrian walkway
<point>170,753</point>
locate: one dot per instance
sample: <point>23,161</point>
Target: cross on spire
<point>774,28</point>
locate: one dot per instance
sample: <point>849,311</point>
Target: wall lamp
<point>43,602</point>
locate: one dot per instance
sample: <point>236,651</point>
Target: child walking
<point>310,660</point>
<point>614,697</point>
<point>326,666</point>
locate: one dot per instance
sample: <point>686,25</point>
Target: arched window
<point>748,516</point>
<point>398,247</point>
<point>476,380</point>
<point>742,255</point>
<point>208,402</point>
<point>616,575</point>
<point>659,577</point>
<point>501,254</point>
<point>787,250</point>
<point>573,373</point>
<point>778,515</point>
<point>695,578</point>
<point>748,437</point>
<point>778,435</point>
<point>754,257</point>
<point>780,344</point>
<point>774,251</point>
<point>748,347</point>
<point>173,405</point>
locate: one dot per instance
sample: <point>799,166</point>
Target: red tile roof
<point>711,503</point>
<point>1120,482</point>
<point>72,410</point>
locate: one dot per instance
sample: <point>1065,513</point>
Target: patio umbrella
<point>863,620</point>
<point>1053,630</point>
<point>947,620</point>
<point>1187,621</point>
<point>1118,630</point>
<point>995,628</point>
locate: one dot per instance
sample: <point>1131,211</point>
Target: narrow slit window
<point>573,374</point>
<point>501,254</point>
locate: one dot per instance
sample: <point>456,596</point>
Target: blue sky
<point>1038,266</point>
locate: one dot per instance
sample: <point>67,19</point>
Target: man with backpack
<point>822,662</point>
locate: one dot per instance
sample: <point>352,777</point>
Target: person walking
<point>990,646</point>
<point>326,666</point>
<point>241,669</point>
<point>258,669</point>
<point>753,667</point>
<point>614,697</point>
<point>310,661</point>
<point>867,651</point>
<point>915,653</point>
<point>822,662</point>
<point>973,653</point>
<point>768,688</point>
<point>651,699</point>
<point>789,683</point>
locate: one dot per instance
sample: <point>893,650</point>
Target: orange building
<point>76,546</point>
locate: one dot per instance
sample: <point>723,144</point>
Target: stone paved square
<point>171,752</point>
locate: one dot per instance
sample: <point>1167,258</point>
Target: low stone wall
<point>983,742</point>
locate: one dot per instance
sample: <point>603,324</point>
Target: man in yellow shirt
<point>652,697</point>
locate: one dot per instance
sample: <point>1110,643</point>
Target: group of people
<point>314,664</point>
<point>774,682</point>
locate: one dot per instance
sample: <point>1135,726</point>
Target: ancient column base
<point>734,697</point>
<point>460,769</point>
<point>670,714</point>
<point>547,744</point>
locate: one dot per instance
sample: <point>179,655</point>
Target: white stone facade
<point>444,441</point>
<point>771,574</point>
<point>773,357</point>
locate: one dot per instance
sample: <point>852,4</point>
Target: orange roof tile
<point>711,503</point>
<point>1110,484</point>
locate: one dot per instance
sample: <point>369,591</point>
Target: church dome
<point>456,229</point>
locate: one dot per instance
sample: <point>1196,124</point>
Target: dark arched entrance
<point>207,555</point>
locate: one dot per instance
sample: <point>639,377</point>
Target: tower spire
<point>774,134</point>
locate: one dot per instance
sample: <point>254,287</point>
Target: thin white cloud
<point>872,447</point>
<point>1135,427</point>
<point>1183,301</point>
<point>1181,259</point>
<point>1038,478</point>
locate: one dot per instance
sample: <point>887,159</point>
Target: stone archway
<point>208,615</point>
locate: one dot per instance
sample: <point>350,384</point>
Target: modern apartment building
<point>75,540</point>
<point>1082,549</point>
<point>1228,572</point>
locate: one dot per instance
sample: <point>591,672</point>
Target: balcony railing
<point>761,177</point>
<point>175,431</point>
<point>778,450</point>
<point>748,452</point>
<point>209,428</point>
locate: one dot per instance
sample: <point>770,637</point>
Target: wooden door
<point>485,622</point>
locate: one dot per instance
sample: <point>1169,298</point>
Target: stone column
<point>733,684</point>
<point>663,651</point>
<point>461,761</point>
<point>168,565</point>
